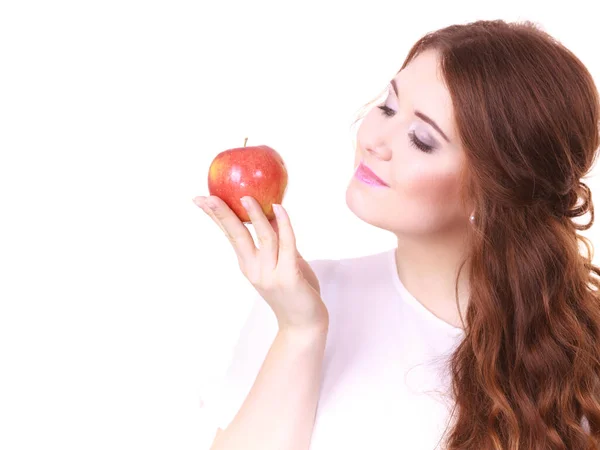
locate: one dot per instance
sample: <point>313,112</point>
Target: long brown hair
<point>527,111</point>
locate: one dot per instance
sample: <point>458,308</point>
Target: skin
<point>421,205</point>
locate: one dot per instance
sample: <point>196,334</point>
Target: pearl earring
<point>472,218</point>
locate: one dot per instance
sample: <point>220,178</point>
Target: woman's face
<point>419,162</point>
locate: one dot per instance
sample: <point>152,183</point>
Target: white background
<point>120,299</point>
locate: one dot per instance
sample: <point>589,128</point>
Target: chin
<point>355,200</point>
<point>363,205</point>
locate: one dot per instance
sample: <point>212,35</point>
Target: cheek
<point>430,188</point>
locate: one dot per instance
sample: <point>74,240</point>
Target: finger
<point>201,203</point>
<point>273,223</point>
<point>287,238</point>
<point>267,238</point>
<point>235,231</point>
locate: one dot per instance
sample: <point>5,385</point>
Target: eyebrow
<point>421,115</point>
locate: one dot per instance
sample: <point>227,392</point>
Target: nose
<point>380,151</point>
<point>377,143</point>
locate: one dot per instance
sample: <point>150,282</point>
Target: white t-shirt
<point>385,380</point>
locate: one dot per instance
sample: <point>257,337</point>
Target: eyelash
<point>414,140</point>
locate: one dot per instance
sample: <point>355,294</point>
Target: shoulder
<point>365,267</point>
<point>335,275</point>
<point>333,269</point>
<point>344,277</point>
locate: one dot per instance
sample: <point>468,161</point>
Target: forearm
<point>279,411</point>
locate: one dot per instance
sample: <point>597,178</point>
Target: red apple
<point>257,171</point>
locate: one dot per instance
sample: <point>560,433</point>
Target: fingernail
<point>244,202</point>
<point>277,210</point>
<point>198,200</point>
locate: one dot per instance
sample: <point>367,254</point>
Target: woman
<point>481,329</point>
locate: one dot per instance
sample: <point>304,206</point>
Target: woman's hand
<point>275,268</point>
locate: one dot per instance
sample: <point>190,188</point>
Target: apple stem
<point>245,140</point>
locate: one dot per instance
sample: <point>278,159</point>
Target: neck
<point>428,267</point>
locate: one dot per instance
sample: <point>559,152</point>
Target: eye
<point>414,140</point>
<point>388,112</point>
<point>417,143</point>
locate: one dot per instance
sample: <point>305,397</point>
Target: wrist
<point>311,332</point>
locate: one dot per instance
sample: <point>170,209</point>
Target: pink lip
<point>366,175</point>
